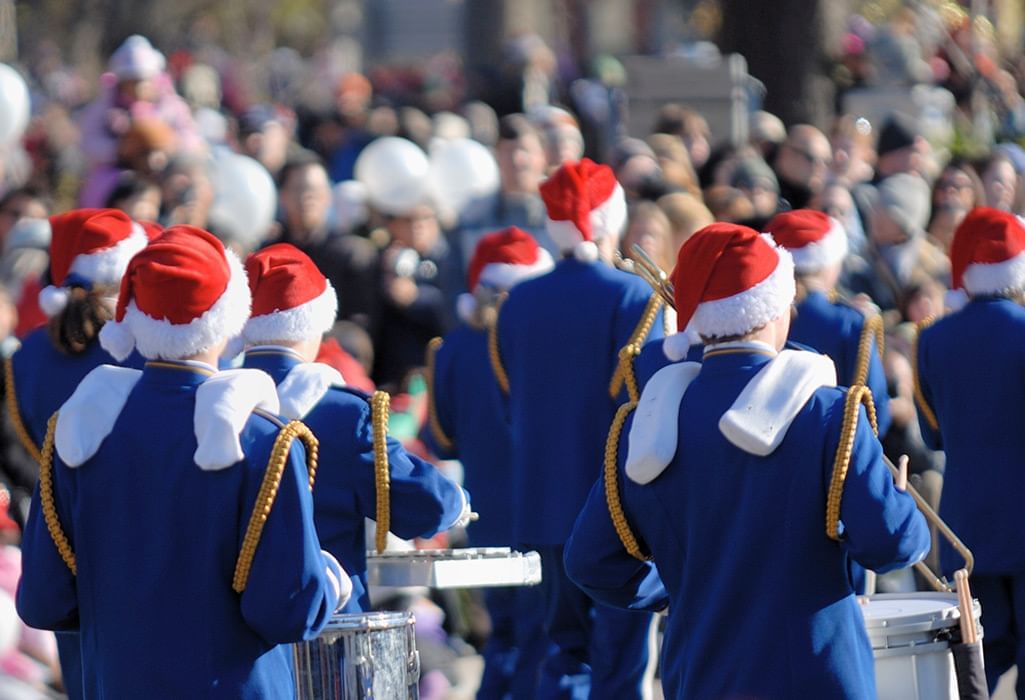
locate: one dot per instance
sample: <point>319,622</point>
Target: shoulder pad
<point>654,433</point>
<point>89,415</point>
<point>224,403</point>
<point>304,387</point>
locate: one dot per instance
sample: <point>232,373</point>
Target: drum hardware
<point>481,567</point>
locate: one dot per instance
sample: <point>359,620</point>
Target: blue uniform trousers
<point>600,651</point>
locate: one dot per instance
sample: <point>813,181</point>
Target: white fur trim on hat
<point>52,300</point>
<point>310,320</point>
<point>676,346</point>
<point>654,434</point>
<point>995,278</point>
<point>828,250</point>
<point>89,414</point>
<point>759,419</point>
<point>753,308</point>
<point>107,266</point>
<point>224,403</point>
<point>161,339</point>
<point>506,275</point>
<point>304,387</point>
<point>609,218</point>
<point>955,299</point>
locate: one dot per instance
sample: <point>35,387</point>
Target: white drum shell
<point>909,635</point>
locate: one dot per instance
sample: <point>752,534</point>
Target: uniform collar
<point>275,360</point>
<point>739,347</point>
<point>177,371</point>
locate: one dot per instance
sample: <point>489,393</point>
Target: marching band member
<point>89,251</point>
<point>721,477</point>
<point>153,530</point>
<point>818,244</point>
<point>969,397</point>
<point>293,306</point>
<point>467,422</point>
<point>555,354</point>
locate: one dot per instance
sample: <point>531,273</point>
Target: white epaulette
<point>759,419</point>
<point>89,414</point>
<point>304,387</point>
<point>224,403</point>
<point>655,428</point>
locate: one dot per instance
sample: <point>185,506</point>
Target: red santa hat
<point>987,255</point>
<point>585,203</point>
<point>501,260</point>
<point>815,240</point>
<point>292,300</point>
<point>730,280</point>
<point>88,247</point>
<point>180,295</point>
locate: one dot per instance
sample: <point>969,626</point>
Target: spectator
<point>802,165</point>
<point>264,137</point>
<point>901,148</point>
<point>22,203</point>
<point>649,228</point>
<point>562,138</point>
<point>677,170</point>
<point>137,196</point>
<point>766,133</point>
<point>755,179</point>
<point>999,182</point>
<point>853,152</point>
<point>352,108</point>
<point>350,262</point>
<point>728,204</point>
<point>637,169</point>
<point>521,167</point>
<point>690,127</point>
<point>686,215</point>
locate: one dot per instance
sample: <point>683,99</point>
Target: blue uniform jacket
<point>971,371</point>
<point>156,540</point>
<point>759,600</point>
<point>44,377</point>
<point>835,330</point>
<point>559,336</point>
<point>469,409</point>
<point>423,501</point>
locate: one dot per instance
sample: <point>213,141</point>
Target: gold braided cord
<point>626,535</point>
<point>379,404</point>
<point>493,351</point>
<point>443,440</point>
<point>625,368</point>
<point>11,399</point>
<point>872,330</point>
<point>269,491</point>
<point>47,501</point>
<point>856,396</point>
<point>923,405</point>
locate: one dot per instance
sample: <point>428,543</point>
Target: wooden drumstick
<point>902,474</point>
<point>969,633</point>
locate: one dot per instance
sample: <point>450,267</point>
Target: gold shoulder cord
<point>11,399</point>
<point>625,369</point>
<point>872,330</point>
<point>47,501</point>
<point>443,440</point>
<point>382,471</point>
<point>923,405</point>
<point>626,535</point>
<point>269,491</point>
<point>493,351</point>
<point>856,396</point>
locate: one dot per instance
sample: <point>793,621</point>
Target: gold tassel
<point>626,535</point>
<point>625,368</point>
<point>923,405</point>
<point>493,351</point>
<point>47,501</point>
<point>379,405</point>
<point>444,441</point>
<point>856,396</point>
<point>11,399</point>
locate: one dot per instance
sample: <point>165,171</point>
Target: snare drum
<point>910,635</point>
<point>360,656</point>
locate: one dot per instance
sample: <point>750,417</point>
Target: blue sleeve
<point>288,596</point>
<point>880,391</point>
<point>930,433</point>
<point>423,501</point>
<point>597,562</point>
<point>47,597</point>
<point>882,527</point>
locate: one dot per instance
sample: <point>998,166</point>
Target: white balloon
<point>395,173</point>
<point>462,170</point>
<point>14,105</point>
<point>245,199</point>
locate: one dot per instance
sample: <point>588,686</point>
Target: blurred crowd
<point>160,135</point>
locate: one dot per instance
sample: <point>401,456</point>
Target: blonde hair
<point>686,215</point>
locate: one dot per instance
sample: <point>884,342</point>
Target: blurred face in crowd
<point>999,182</point>
<point>418,230</point>
<point>305,199</point>
<point>954,189</point>
<point>635,172</point>
<point>142,206</point>
<point>563,143</point>
<point>836,201</point>
<point>913,159</point>
<point>521,164</point>
<point>20,207</point>
<point>885,230</point>
<point>269,146</point>
<point>129,91</point>
<point>805,158</point>
<point>649,228</point>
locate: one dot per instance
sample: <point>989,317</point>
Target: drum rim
<point>375,620</point>
<point>940,618</point>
